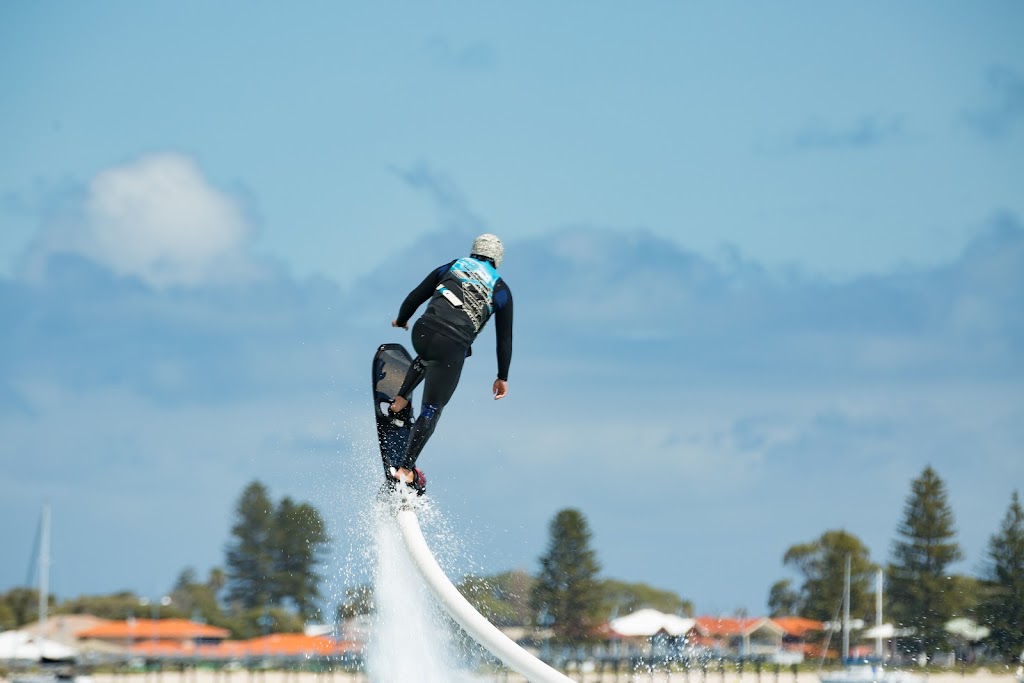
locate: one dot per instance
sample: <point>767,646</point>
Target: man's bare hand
<point>499,389</point>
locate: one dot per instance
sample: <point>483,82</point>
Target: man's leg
<point>441,378</point>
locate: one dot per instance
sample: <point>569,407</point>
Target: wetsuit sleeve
<point>421,293</point>
<point>503,327</point>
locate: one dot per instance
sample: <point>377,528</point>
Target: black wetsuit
<point>463,294</point>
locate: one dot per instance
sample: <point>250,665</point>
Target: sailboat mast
<point>846,611</point>
<point>878,615</point>
<point>44,570</point>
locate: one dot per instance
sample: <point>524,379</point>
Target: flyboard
<point>390,365</point>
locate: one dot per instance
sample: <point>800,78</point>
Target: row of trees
<point>922,593</point>
<point>270,581</point>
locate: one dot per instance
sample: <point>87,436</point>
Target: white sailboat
<point>868,670</point>
<point>48,651</point>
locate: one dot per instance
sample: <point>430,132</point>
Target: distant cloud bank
<point>139,346</point>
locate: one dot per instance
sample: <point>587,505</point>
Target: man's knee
<point>413,377</point>
<point>430,412</point>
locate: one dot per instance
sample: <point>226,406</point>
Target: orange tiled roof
<point>153,629</point>
<point>701,641</point>
<point>279,644</point>
<point>727,626</point>
<point>294,644</point>
<point>798,626</point>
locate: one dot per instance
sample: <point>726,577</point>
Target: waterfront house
<point>739,637</point>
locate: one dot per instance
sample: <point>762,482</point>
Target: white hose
<point>474,623</point>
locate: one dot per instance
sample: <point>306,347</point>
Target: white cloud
<point>158,219</point>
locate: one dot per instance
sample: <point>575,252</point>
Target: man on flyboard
<point>463,295</point>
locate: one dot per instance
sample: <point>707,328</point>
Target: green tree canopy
<point>119,605</point>
<point>822,564</point>
<point>250,559</point>
<point>22,604</point>
<point>1002,607</point>
<point>251,623</point>
<point>629,597</point>
<point>783,600</point>
<point>919,580</point>
<point>299,538</point>
<point>198,600</point>
<point>358,601</point>
<point>566,591</point>
<point>503,598</point>
<point>273,554</point>
<point>7,619</point>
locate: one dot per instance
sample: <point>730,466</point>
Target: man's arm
<point>417,296</point>
<point>503,329</point>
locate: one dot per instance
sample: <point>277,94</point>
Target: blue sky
<point>768,264</point>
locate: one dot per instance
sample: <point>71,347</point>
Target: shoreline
<point>278,676</point>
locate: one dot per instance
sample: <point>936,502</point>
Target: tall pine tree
<point>919,580</point>
<point>250,558</point>
<point>274,552</point>
<point>566,589</point>
<point>1002,608</point>
<point>299,538</point>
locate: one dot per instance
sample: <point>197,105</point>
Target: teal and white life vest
<point>464,299</point>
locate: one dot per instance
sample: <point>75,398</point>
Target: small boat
<point>52,662</point>
<point>869,671</point>
<point>55,676</point>
<point>865,670</point>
